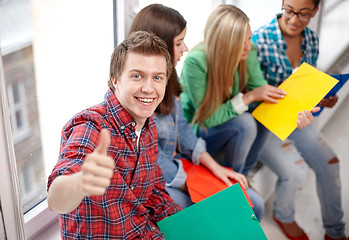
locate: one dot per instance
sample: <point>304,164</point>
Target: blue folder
<point>342,79</point>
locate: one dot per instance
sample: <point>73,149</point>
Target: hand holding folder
<point>342,79</point>
<point>305,88</point>
<point>202,183</point>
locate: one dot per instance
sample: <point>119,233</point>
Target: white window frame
<point>17,225</point>
<point>32,224</point>
<point>24,131</point>
<point>9,195</point>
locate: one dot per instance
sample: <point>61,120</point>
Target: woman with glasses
<point>283,45</point>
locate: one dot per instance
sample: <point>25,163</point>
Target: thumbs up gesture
<point>97,169</point>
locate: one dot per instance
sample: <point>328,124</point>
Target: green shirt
<point>194,81</point>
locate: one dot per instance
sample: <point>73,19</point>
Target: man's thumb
<point>104,142</point>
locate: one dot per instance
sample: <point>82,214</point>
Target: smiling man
<point>106,183</point>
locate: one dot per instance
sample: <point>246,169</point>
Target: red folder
<point>202,183</point>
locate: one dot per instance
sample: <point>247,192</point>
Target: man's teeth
<point>146,100</point>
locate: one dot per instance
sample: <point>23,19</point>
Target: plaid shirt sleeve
<point>79,138</point>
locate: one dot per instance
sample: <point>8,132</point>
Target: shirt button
<point>132,187</point>
<point>133,124</point>
<point>122,127</point>
<point>133,139</point>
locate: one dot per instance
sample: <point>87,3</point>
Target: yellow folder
<point>305,88</point>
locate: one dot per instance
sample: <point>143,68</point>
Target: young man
<point>107,184</point>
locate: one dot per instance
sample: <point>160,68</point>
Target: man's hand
<point>67,191</point>
<point>98,168</point>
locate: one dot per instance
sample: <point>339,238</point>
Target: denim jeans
<point>184,201</point>
<point>180,197</point>
<point>287,158</point>
<point>241,139</point>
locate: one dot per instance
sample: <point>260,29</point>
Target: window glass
<point>22,102</point>
<point>54,66</point>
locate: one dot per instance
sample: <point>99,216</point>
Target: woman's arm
<point>223,173</point>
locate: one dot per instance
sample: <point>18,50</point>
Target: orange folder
<point>202,183</point>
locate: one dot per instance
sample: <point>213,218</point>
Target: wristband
<point>238,104</point>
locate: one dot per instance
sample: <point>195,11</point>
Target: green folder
<point>225,215</point>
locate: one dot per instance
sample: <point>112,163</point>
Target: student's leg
<point>284,160</point>
<point>321,158</point>
<point>180,197</point>
<point>235,137</point>
<point>259,143</point>
<point>258,203</point>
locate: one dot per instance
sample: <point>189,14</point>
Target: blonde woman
<point>221,77</point>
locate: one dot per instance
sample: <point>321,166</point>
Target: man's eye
<point>158,78</point>
<point>136,76</point>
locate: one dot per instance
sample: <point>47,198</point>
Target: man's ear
<point>114,81</point>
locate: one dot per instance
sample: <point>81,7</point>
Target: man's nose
<point>148,85</point>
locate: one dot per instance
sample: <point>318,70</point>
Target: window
<point>53,65</point>
<point>25,125</point>
<point>18,111</point>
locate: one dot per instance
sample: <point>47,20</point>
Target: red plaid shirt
<point>136,198</point>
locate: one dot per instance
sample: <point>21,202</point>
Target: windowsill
<point>51,232</point>
<point>41,223</point>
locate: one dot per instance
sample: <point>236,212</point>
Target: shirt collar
<point>121,117</point>
<point>277,37</point>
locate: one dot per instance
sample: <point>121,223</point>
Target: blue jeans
<point>180,197</point>
<point>241,139</point>
<point>184,201</point>
<point>258,203</point>
<point>287,158</point>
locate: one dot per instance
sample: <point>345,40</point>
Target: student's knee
<point>297,174</point>
<point>300,175</point>
<point>247,124</point>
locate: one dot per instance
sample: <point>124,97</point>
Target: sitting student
<point>283,45</point>
<point>221,77</point>
<point>107,183</point>
<point>176,137</point>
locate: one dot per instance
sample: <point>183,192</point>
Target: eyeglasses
<point>304,17</point>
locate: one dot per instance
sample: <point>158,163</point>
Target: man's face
<point>141,85</point>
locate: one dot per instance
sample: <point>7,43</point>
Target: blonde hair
<point>224,37</point>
